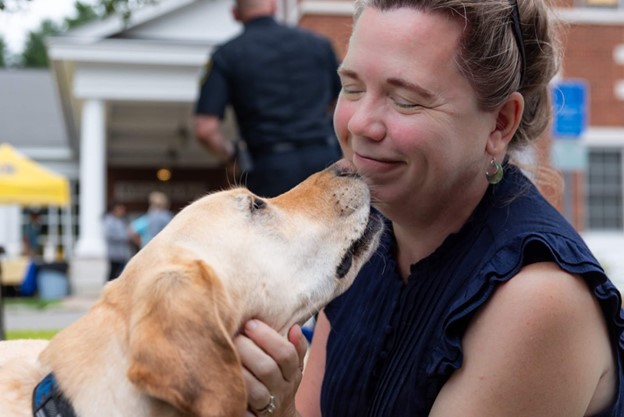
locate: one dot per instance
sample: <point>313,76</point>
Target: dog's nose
<point>344,168</point>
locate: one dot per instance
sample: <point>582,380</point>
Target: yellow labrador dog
<point>159,340</point>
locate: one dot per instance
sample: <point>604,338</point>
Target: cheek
<point>342,115</point>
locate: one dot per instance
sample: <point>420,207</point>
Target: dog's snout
<point>344,168</point>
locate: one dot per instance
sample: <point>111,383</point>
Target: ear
<point>273,7</point>
<point>181,348</point>
<point>236,14</point>
<point>507,121</point>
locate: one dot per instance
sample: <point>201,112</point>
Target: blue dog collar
<point>49,401</point>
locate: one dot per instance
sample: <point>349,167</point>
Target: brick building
<point>127,92</point>
<point>591,164</point>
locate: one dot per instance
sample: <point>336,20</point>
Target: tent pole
<point>67,232</point>
<point>2,336</point>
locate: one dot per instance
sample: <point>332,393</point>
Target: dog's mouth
<point>360,246</point>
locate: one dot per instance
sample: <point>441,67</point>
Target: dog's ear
<point>181,350</point>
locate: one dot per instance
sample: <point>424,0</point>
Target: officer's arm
<point>208,133</point>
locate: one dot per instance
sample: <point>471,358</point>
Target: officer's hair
<point>250,4</point>
<point>489,56</point>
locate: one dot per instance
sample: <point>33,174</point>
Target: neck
<point>81,353</point>
<point>249,16</point>
<point>420,231</point>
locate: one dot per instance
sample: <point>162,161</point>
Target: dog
<point>159,340</point>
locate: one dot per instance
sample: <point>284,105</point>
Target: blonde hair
<point>158,199</point>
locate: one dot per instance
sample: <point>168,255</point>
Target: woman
<point>482,300</point>
<point>117,239</point>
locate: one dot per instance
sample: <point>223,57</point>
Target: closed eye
<point>256,204</point>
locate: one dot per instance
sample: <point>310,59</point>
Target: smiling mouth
<point>368,164</point>
<point>360,246</point>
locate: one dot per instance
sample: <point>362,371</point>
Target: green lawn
<point>30,334</point>
<point>29,302</point>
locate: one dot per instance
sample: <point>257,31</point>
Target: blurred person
<point>281,82</point>
<point>118,243</point>
<point>146,226</point>
<point>482,300</point>
<point>31,235</point>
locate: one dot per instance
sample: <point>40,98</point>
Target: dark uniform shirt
<point>281,82</point>
<point>392,345</point>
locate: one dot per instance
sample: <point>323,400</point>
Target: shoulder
<point>228,50</point>
<point>519,348</point>
<point>307,35</point>
<point>140,222</point>
<point>538,305</point>
<point>543,310</point>
<point>545,286</point>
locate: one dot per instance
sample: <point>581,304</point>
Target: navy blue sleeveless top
<point>392,346</point>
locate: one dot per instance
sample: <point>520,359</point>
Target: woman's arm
<point>540,348</point>
<point>308,398</point>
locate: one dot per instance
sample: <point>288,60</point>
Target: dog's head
<point>232,256</point>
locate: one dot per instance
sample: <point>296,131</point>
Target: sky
<point>15,25</point>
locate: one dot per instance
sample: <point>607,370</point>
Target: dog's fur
<point>159,340</point>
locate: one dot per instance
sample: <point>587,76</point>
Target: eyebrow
<point>401,83</point>
<point>396,82</point>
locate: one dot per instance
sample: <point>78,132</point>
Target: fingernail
<point>251,325</point>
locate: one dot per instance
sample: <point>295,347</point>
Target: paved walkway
<point>51,317</point>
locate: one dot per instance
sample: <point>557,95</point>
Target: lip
<point>365,163</point>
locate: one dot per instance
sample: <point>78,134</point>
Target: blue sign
<point>569,109</point>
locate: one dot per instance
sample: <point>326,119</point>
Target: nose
<point>344,168</point>
<point>366,120</point>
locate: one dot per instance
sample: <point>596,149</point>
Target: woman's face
<point>406,117</point>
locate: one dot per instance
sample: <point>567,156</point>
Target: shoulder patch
<point>207,68</point>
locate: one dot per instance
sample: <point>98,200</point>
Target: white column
<point>88,269</point>
<point>10,230</point>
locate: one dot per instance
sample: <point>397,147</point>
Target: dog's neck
<point>49,401</point>
<point>79,370</point>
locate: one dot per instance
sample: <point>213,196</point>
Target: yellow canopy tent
<point>24,182</point>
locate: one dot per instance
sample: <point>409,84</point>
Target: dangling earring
<point>494,173</point>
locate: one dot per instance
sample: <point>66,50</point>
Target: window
<point>604,189</point>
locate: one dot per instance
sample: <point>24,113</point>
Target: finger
<point>296,337</point>
<point>258,394</point>
<point>283,351</point>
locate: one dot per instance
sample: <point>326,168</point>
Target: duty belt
<point>286,146</point>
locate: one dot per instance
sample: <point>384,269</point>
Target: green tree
<point>34,54</point>
<point>125,7</point>
<point>3,52</point>
<point>11,5</point>
<point>84,13</point>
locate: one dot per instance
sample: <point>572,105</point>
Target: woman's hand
<point>272,367</point>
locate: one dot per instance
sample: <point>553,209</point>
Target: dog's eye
<point>257,204</point>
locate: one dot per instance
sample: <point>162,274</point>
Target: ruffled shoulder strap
<point>570,253</point>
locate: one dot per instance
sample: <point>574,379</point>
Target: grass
<point>29,302</point>
<point>30,334</point>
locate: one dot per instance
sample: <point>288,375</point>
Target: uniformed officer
<point>281,82</point>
